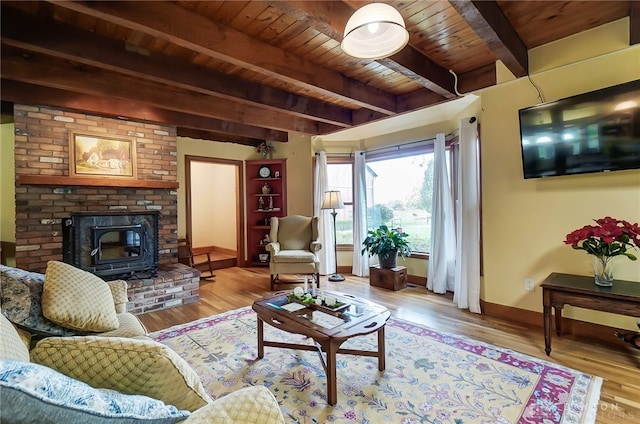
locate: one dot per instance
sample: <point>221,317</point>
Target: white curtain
<point>325,223</point>
<point>360,266</point>
<point>442,254</point>
<point>467,273</point>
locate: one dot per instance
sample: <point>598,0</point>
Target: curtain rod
<point>394,146</point>
<point>399,146</point>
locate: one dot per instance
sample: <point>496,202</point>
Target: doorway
<point>214,212</point>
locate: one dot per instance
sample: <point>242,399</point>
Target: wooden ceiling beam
<point>489,22</point>
<point>67,42</point>
<point>477,79</point>
<point>416,100</point>
<point>414,65</point>
<point>18,92</point>
<point>221,137</point>
<point>170,22</point>
<point>330,18</point>
<point>50,72</point>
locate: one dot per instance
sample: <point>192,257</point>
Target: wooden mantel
<point>94,182</point>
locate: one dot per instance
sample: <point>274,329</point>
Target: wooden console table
<point>576,290</point>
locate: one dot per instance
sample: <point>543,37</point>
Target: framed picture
<point>103,155</point>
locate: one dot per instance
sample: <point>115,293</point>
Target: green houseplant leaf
<point>384,242</point>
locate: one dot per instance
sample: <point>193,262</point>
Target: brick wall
<point>176,284</point>
<point>42,148</point>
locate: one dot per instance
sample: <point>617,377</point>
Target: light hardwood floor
<point>616,362</point>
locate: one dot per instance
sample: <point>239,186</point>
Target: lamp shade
<point>332,200</point>
<point>374,31</point>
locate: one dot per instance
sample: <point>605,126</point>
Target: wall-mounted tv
<point>597,131</point>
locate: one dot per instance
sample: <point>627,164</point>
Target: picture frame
<point>102,155</point>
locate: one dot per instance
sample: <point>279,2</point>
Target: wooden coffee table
<point>329,329</point>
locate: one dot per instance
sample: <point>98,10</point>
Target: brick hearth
<point>176,284</point>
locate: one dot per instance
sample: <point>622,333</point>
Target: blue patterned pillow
<point>32,393</point>
<point>21,302</point>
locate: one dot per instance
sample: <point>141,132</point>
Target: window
<point>340,178</point>
<point>399,190</point>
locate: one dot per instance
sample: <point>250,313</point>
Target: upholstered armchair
<point>293,247</point>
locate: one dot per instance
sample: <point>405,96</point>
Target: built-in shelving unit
<point>263,204</point>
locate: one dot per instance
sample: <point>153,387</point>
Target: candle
<point>306,288</point>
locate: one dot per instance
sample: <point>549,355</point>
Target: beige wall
<point>213,200</point>
<point>299,173</point>
<point>7,185</point>
<point>525,221</point>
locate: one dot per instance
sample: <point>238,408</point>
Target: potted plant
<point>387,244</point>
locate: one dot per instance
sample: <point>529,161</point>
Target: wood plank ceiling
<point>247,71</point>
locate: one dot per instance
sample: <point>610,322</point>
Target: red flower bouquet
<point>610,238</point>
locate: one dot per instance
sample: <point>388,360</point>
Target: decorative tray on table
<point>310,302</point>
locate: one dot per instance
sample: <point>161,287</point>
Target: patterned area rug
<point>430,377</point>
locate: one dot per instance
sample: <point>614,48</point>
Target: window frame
<point>394,152</point>
<point>339,160</point>
<point>386,154</point>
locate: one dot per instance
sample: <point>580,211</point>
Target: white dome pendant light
<point>374,31</point>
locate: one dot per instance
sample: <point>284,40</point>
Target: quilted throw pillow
<point>11,346</point>
<point>26,311</point>
<point>127,365</point>
<point>254,404</point>
<point>77,299</point>
<point>32,393</point>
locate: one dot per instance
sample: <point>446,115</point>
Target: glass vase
<point>603,270</point>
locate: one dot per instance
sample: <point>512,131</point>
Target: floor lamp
<point>333,200</point>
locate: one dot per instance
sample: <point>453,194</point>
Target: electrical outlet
<point>529,284</point>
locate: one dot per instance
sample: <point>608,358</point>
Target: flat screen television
<point>597,131</point>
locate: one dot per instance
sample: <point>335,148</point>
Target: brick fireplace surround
<point>45,195</point>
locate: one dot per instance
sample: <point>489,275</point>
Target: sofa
<point>22,303</point>
<point>101,375</point>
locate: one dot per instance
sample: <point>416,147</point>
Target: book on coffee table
<point>293,307</point>
<point>325,320</point>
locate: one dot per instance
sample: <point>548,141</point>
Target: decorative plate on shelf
<point>264,172</point>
